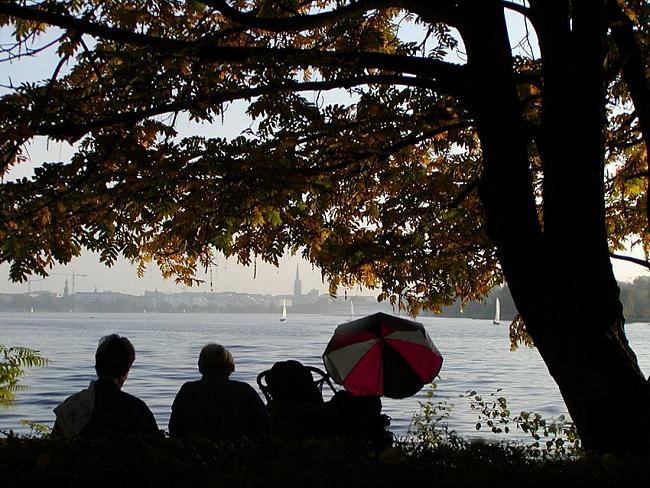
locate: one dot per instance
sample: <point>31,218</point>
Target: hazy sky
<point>227,276</point>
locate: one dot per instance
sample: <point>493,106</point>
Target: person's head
<point>114,357</point>
<point>216,359</point>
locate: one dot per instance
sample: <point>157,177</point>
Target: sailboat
<point>351,310</point>
<point>284,311</point>
<point>497,312</point>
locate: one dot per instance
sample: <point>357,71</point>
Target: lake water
<point>476,357</point>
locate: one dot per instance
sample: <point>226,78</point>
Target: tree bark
<point>579,334</point>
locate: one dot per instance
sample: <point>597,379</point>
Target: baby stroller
<point>294,398</point>
<point>293,382</point>
<point>294,395</point>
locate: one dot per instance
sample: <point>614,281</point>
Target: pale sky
<point>228,275</point>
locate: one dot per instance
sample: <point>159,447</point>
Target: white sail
<point>284,311</point>
<point>497,312</point>
<point>351,310</point>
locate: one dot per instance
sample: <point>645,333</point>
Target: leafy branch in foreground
<point>37,431</point>
<point>13,361</point>
<point>551,438</point>
<point>426,429</point>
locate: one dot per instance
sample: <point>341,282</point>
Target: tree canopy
<point>377,189</point>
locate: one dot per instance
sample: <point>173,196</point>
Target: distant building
<point>311,297</point>
<point>83,298</point>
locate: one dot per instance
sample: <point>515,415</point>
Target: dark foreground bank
<point>273,462</point>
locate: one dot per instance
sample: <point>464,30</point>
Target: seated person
<point>216,406</point>
<point>103,409</point>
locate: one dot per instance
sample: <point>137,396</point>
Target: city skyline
<point>87,273</point>
<point>227,275</point>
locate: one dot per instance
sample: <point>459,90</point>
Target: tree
<point>436,180</point>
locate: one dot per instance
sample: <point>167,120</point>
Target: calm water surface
<point>476,357</point>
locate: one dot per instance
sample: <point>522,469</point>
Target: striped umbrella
<point>382,355</point>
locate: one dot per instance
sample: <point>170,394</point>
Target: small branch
<point>91,61</point>
<point>28,53</point>
<point>464,193</point>
<point>641,262</point>
<point>638,175</point>
<point>515,7</point>
<point>411,141</point>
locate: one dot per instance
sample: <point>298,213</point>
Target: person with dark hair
<point>215,406</point>
<point>103,409</point>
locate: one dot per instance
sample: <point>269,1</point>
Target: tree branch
<point>386,152</point>
<point>299,22</point>
<point>412,140</point>
<point>205,49</point>
<point>76,131</point>
<point>641,262</point>
<point>87,27</point>
<point>464,193</point>
<point>521,9</point>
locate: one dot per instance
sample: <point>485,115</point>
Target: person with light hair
<point>216,406</point>
<point>103,409</point>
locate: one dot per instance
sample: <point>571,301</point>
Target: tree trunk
<point>579,333</point>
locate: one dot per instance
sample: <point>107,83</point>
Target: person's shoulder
<point>190,389</point>
<point>189,386</point>
<point>238,384</point>
<point>133,400</point>
<point>241,386</point>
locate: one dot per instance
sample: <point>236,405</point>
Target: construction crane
<point>74,275</point>
<point>74,278</point>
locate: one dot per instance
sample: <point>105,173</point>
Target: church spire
<point>297,287</point>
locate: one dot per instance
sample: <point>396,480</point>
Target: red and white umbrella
<point>382,355</point>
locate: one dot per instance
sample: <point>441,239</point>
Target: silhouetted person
<point>103,409</point>
<point>216,406</point>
